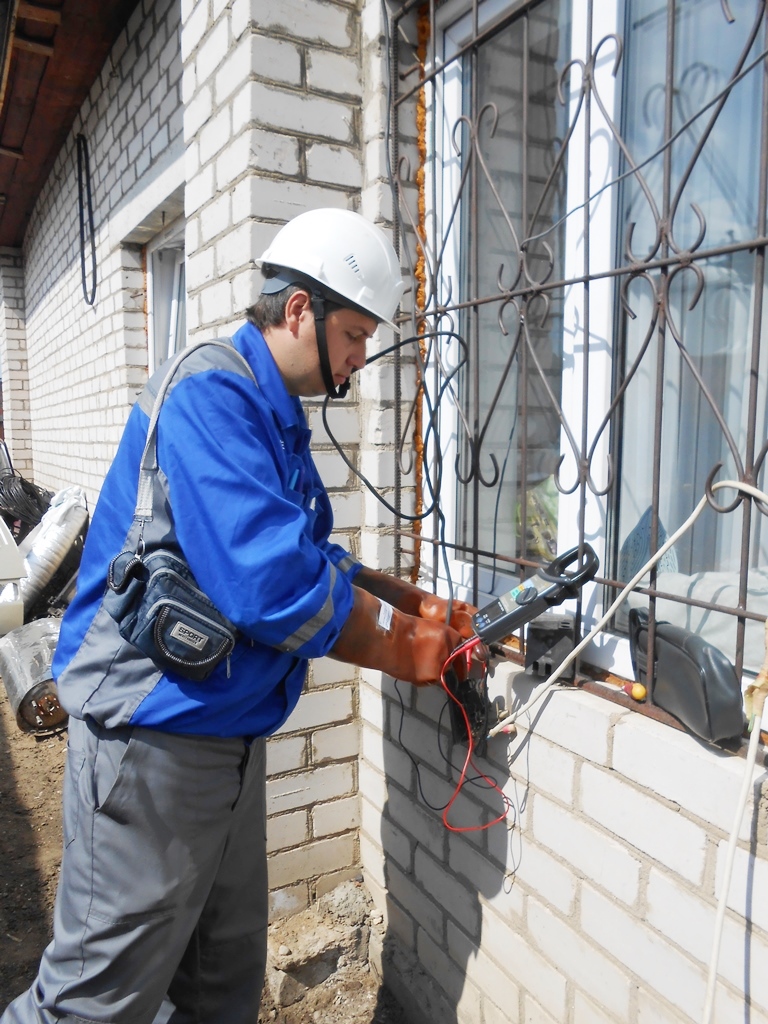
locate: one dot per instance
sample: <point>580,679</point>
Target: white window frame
<point>163,321</point>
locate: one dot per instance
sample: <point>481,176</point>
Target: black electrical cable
<point>411,758</point>
<point>432,409</point>
<point>474,780</point>
<point>433,488</point>
<point>84,197</point>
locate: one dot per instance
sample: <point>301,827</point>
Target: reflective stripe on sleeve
<point>347,563</point>
<point>312,626</point>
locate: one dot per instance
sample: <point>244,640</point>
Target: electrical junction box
<point>549,640</point>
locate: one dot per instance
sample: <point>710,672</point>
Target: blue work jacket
<point>252,518</point>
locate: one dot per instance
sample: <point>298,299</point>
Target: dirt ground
<point>31,772</point>
<point>319,970</point>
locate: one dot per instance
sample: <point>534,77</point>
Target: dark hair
<point>269,309</point>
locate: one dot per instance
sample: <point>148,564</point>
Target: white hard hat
<point>344,253</point>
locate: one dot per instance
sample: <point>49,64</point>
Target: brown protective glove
<point>436,608</point>
<point>411,648</point>
<point>414,601</point>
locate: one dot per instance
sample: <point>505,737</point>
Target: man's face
<point>347,333</point>
<point>294,345</point>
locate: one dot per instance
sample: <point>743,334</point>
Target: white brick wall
<point>644,822</point>
<point>13,352</point>
<point>86,364</point>
<point>592,852</point>
<point>603,889</point>
<point>265,139</point>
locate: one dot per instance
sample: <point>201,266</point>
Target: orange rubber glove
<point>404,646</point>
<point>436,608</point>
<point>414,601</point>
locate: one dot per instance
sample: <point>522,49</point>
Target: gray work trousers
<point>161,910</point>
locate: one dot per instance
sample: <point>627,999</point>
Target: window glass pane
<point>535,278</point>
<point>518,123</point>
<point>180,327</point>
<point>706,336</point>
<point>712,340</point>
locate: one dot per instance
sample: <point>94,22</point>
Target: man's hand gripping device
<point>550,586</point>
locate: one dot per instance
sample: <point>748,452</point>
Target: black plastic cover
<point>695,681</point>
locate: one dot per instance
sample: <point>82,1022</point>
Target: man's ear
<point>298,303</point>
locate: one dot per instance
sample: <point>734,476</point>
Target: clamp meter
<point>551,585</point>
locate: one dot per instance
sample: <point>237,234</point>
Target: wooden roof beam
<point>34,12</point>
<point>7,29</point>
<point>31,45</point>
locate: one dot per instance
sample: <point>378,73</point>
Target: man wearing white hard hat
<point>342,259</point>
<point>161,912</point>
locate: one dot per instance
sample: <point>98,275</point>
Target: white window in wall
<point>610,336</point>
<point>166,294</point>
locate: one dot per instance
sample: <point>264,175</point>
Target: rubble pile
<point>318,971</point>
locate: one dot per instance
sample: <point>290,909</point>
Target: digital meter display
<point>506,609</point>
<point>508,602</point>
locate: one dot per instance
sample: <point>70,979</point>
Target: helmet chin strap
<point>318,311</point>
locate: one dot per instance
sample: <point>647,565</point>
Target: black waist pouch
<point>158,607</point>
<point>695,681</point>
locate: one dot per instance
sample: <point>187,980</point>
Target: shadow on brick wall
<point>435,958</point>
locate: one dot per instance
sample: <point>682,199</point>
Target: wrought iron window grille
<point>584,228</point>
